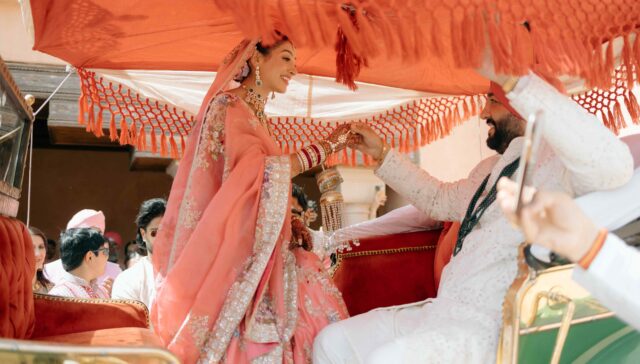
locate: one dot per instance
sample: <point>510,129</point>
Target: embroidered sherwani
<point>578,155</point>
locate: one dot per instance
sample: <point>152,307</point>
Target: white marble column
<point>358,191</point>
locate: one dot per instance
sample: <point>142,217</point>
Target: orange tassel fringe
<point>408,126</point>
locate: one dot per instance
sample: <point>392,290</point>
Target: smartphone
<point>528,158</point>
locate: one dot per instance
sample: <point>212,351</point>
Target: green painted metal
<point>614,343</point>
<point>613,346</point>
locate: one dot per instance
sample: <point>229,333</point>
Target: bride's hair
<point>264,50</point>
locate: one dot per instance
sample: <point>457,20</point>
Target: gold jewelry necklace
<point>257,102</point>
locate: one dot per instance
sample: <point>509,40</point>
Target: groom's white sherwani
<point>578,155</point>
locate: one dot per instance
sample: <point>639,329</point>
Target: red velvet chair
<point>35,325</point>
<point>394,269</point>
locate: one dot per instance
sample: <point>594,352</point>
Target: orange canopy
<point>426,45</point>
<point>195,35</point>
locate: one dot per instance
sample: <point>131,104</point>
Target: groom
<point>578,155</point>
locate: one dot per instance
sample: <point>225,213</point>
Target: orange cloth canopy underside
<point>195,35</point>
<point>426,45</point>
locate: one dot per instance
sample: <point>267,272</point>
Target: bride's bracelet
<point>313,155</point>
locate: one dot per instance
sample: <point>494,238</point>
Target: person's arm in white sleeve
<point>595,159</point>
<point>405,219</point>
<point>442,201</point>
<point>554,220</point>
<point>126,286</point>
<point>613,277</point>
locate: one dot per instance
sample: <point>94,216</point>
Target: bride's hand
<point>366,140</point>
<point>300,235</point>
<point>339,138</point>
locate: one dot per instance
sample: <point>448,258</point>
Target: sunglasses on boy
<point>104,250</point>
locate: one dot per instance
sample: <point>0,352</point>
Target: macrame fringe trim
<point>138,117</point>
<point>608,104</point>
<point>407,127</point>
<point>151,126</point>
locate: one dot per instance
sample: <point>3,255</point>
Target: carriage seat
<point>27,318</point>
<point>394,269</point>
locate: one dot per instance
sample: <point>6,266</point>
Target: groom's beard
<point>504,131</point>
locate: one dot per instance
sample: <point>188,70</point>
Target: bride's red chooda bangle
<point>312,155</point>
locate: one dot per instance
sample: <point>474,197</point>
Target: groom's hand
<point>366,140</point>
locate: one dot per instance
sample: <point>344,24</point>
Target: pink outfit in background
<point>55,272</point>
<point>74,286</point>
<point>229,289</point>
<point>87,218</point>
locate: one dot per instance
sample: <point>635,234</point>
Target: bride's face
<point>277,68</point>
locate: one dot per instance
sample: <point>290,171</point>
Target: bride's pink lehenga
<point>229,288</point>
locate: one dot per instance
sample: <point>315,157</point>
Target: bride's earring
<point>273,95</point>
<point>258,79</point>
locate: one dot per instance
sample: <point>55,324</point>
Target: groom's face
<point>503,125</point>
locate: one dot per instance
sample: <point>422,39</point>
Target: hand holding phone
<point>528,158</point>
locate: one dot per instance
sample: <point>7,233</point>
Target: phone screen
<point>528,158</point>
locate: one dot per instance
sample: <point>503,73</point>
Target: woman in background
<point>40,283</point>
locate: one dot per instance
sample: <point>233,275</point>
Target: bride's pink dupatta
<point>226,284</point>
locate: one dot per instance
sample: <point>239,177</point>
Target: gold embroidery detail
<point>311,309</point>
<point>253,121</point>
<point>96,301</point>
<point>199,328</point>
<point>212,142</point>
<point>191,215</point>
<point>263,328</point>
<point>274,200</point>
<point>367,253</point>
<point>275,356</point>
<point>290,292</point>
<point>319,277</point>
<point>234,53</point>
<point>217,137</point>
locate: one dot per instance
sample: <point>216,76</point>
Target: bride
<point>234,286</point>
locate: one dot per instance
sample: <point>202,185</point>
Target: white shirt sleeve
<point>405,219</point>
<point>61,290</point>
<point>443,201</point>
<point>401,220</point>
<point>595,159</point>
<point>127,285</point>
<point>614,279</point>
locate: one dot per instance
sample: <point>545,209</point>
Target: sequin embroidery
<point>274,199</point>
<point>212,137</point>
<point>191,215</point>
